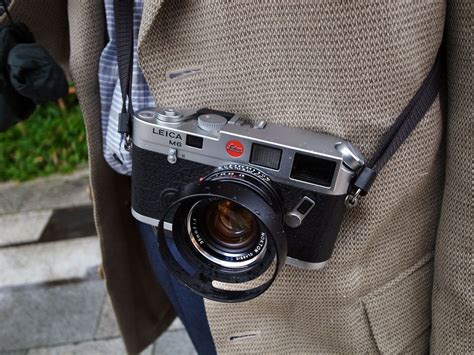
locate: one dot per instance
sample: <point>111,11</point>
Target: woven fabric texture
<point>453,298</point>
<point>346,69</point>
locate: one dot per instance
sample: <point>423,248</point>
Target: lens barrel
<point>225,233</point>
<point>228,227</point>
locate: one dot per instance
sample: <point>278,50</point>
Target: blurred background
<point>52,296</point>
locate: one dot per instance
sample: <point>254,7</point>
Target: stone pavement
<point>52,300</point>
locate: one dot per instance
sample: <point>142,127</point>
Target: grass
<point>52,140</point>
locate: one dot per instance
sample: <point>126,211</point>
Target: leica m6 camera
<point>234,200</point>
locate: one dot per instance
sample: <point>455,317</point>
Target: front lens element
<point>230,225</point>
<point>226,233</point>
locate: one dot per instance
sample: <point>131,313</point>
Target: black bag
<point>28,75</point>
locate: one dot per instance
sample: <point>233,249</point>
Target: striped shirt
<point>110,95</point>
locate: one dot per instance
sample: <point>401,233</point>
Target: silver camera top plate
<point>214,140</point>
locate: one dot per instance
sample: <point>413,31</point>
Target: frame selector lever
<point>295,217</point>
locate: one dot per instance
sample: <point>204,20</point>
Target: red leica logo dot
<point>234,148</point>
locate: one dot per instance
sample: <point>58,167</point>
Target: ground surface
<point>52,300</point>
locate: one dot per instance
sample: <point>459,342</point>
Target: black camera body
<point>310,244</point>
<point>237,194</point>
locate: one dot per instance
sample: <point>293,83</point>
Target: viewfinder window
<point>268,157</point>
<point>194,141</point>
<point>313,170</point>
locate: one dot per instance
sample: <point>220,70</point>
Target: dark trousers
<point>188,306</point>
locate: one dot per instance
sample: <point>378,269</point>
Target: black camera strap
<point>390,142</point>
<point>123,13</point>
<point>399,131</point>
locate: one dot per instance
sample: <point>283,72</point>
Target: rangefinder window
<point>265,156</point>
<point>313,170</point>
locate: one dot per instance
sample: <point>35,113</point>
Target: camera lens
<point>228,228</point>
<point>225,233</point>
<point>231,226</point>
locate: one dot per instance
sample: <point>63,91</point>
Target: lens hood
<point>201,273</point>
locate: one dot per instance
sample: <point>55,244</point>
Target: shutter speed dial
<point>211,122</point>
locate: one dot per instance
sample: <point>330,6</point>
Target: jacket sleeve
<point>452,299</point>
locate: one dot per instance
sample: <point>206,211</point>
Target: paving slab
<point>174,343</point>
<point>49,316</point>
<point>23,227</point>
<point>107,327</point>
<point>110,346</point>
<point>176,325</point>
<point>46,262</point>
<point>70,223</point>
<point>53,192</point>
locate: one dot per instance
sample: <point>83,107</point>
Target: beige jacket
<point>400,279</point>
